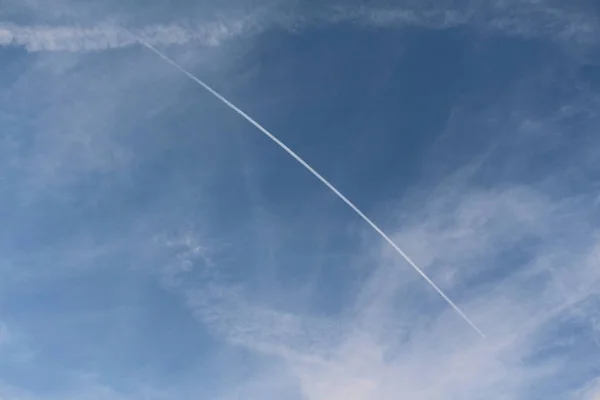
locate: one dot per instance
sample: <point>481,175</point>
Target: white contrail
<point>321,178</point>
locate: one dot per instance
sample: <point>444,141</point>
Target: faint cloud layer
<point>397,345</point>
<point>522,18</point>
<point>521,256</point>
<point>4,335</point>
<point>520,253</point>
<point>50,38</point>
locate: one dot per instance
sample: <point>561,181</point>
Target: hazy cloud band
<point>524,19</point>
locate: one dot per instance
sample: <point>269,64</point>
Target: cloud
<point>72,119</point>
<point>4,334</point>
<point>521,256</point>
<point>518,251</point>
<point>535,19</point>
<point>392,344</point>
<point>14,349</point>
<point>590,392</point>
<point>524,18</point>
<point>74,39</point>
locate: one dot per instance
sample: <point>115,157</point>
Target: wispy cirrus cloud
<point>590,392</point>
<point>535,19</point>
<point>519,251</point>
<point>66,38</point>
<point>391,343</point>
<point>526,18</point>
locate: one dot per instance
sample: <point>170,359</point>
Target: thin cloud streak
<point>525,19</point>
<point>76,39</point>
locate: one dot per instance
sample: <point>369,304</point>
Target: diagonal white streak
<point>322,179</point>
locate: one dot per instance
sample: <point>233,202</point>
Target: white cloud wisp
<point>537,19</point>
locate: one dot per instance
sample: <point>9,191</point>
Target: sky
<point>155,245</point>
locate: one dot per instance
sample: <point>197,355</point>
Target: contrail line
<point>322,179</point>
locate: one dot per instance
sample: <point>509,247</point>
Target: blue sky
<point>154,245</point>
